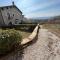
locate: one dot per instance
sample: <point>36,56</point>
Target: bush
<point>31,28</point>
<point>26,27</point>
<point>8,39</point>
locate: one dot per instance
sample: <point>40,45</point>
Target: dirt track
<point>47,47</point>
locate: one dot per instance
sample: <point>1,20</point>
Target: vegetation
<point>8,39</point>
<point>51,26</point>
<point>55,28</point>
<point>25,27</point>
<point>24,34</point>
<point>10,36</point>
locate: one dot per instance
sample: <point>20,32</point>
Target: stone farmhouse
<point>10,15</point>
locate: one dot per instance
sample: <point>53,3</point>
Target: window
<point>8,15</point>
<point>13,14</point>
<point>16,21</point>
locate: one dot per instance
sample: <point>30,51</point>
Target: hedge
<point>8,39</point>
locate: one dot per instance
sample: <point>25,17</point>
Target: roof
<point>12,6</point>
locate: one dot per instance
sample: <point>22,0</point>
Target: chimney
<point>13,3</point>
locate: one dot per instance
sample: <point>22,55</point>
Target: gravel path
<point>47,47</point>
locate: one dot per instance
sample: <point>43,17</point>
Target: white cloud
<point>28,7</point>
<point>40,6</point>
<point>26,3</point>
<point>43,14</point>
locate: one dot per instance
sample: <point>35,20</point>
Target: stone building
<point>10,15</point>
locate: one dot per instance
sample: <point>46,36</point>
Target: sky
<point>36,8</point>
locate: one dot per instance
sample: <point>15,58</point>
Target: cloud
<point>37,7</point>
<point>26,3</point>
<point>43,14</point>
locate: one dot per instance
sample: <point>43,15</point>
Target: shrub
<point>31,28</point>
<point>26,27</point>
<point>8,39</point>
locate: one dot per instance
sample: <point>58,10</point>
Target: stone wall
<point>1,19</point>
<point>13,13</point>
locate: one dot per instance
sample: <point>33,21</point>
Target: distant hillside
<point>55,19</point>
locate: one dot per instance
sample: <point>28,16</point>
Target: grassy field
<point>55,28</point>
<point>52,26</point>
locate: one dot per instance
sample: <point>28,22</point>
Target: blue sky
<point>36,8</point>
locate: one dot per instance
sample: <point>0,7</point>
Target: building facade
<point>10,15</point>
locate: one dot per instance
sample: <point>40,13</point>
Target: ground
<point>47,47</point>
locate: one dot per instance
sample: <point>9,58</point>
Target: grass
<point>24,31</point>
<point>25,34</point>
<point>55,28</point>
<point>52,26</point>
